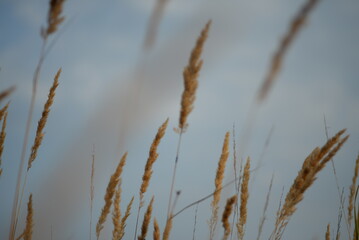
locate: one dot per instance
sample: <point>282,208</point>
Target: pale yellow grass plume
<point>276,63</point>
<point>218,185</point>
<point>6,93</point>
<point>2,137</point>
<point>116,214</point>
<point>153,155</point>
<point>226,214</point>
<point>244,200</point>
<point>156,230</point>
<point>54,18</point>
<point>352,191</point>
<point>29,220</point>
<point>110,191</point>
<point>327,233</point>
<point>41,125</point>
<point>190,77</point>
<point>124,219</point>
<point>146,221</point>
<point>305,178</point>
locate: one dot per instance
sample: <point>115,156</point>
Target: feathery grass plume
<point>351,193</point>
<point>92,189</point>
<point>244,200</point>
<point>276,63</point>
<point>261,223</point>
<point>6,93</point>
<point>110,191</point>
<point>154,23</point>
<point>2,138</point>
<point>153,155</point>
<point>156,230</point>
<point>41,125</point>
<point>218,186</point>
<point>305,178</point>
<point>327,233</point>
<point>168,228</point>
<point>190,77</point>
<point>124,219</point>
<point>3,110</point>
<point>226,214</point>
<point>116,214</point>
<point>29,220</point>
<point>146,221</point>
<point>54,18</point>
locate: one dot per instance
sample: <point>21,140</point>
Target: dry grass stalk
<point>3,110</point>
<point>6,93</point>
<point>168,228</point>
<point>327,233</point>
<point>124,219</point>
<point>110,191</point>
<point>54,18</point>
<point>153,155</point>
<point>92,190</point>
<point>276,63</point>
<point>218,185</point>
<point>305,178</point>
<point>351,193</point>
<point>116,214</point>
<point>29,220</point>
<point>41,125</point>
<point>261,223</point>
<point>244,200</point>
<point>146,221</point>
<point>2,137</point>
<point>226,214</point>
<point>190,76</point>
<point>156,230</point>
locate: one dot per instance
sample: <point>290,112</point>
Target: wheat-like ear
<point>168,228</point>
<point>116,214</point>
<point>124,219</point>
<point>29,220</point>
<point>190,77</point>
<point>156,230</point>
<point>2,137</point>
<point>42,122</point>
<point>226,214</point>
<point>327,233</point>
<point>6,93</point>
<point>296,25</point>
<point>146,221</point>
<point>352,192</point>
<point>314,163</point>
<point>110,191</point>
<point>54,18</point>
<point>244,200</point>
<point>218,186</point>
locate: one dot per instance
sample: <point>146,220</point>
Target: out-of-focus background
<point>113,95</point>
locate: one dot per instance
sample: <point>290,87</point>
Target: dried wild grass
<point>226,214</point>
<point>218,186</point>
<point>2,136</point>
<point>327,233</point>
<point>110,191</point>
<point>296,25</point>
<point>244,200</point>
<point>168,228</point>
<point>124,219</point>
<point>29,220</point>
<point>92,190</point>
<point>116,214</point>
<point>42,122</point>
<point>6,93</point>
<point>314,163</point>
<point>146,221</point>
<point>190,77</point>
<point>54,18</point>
<point>352,192</point>
<point>156,230</point>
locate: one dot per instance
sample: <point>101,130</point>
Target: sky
<point>113,96</point>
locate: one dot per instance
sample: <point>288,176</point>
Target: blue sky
<point>107,77</point>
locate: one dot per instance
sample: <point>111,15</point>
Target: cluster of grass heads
<point>234,216</point>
